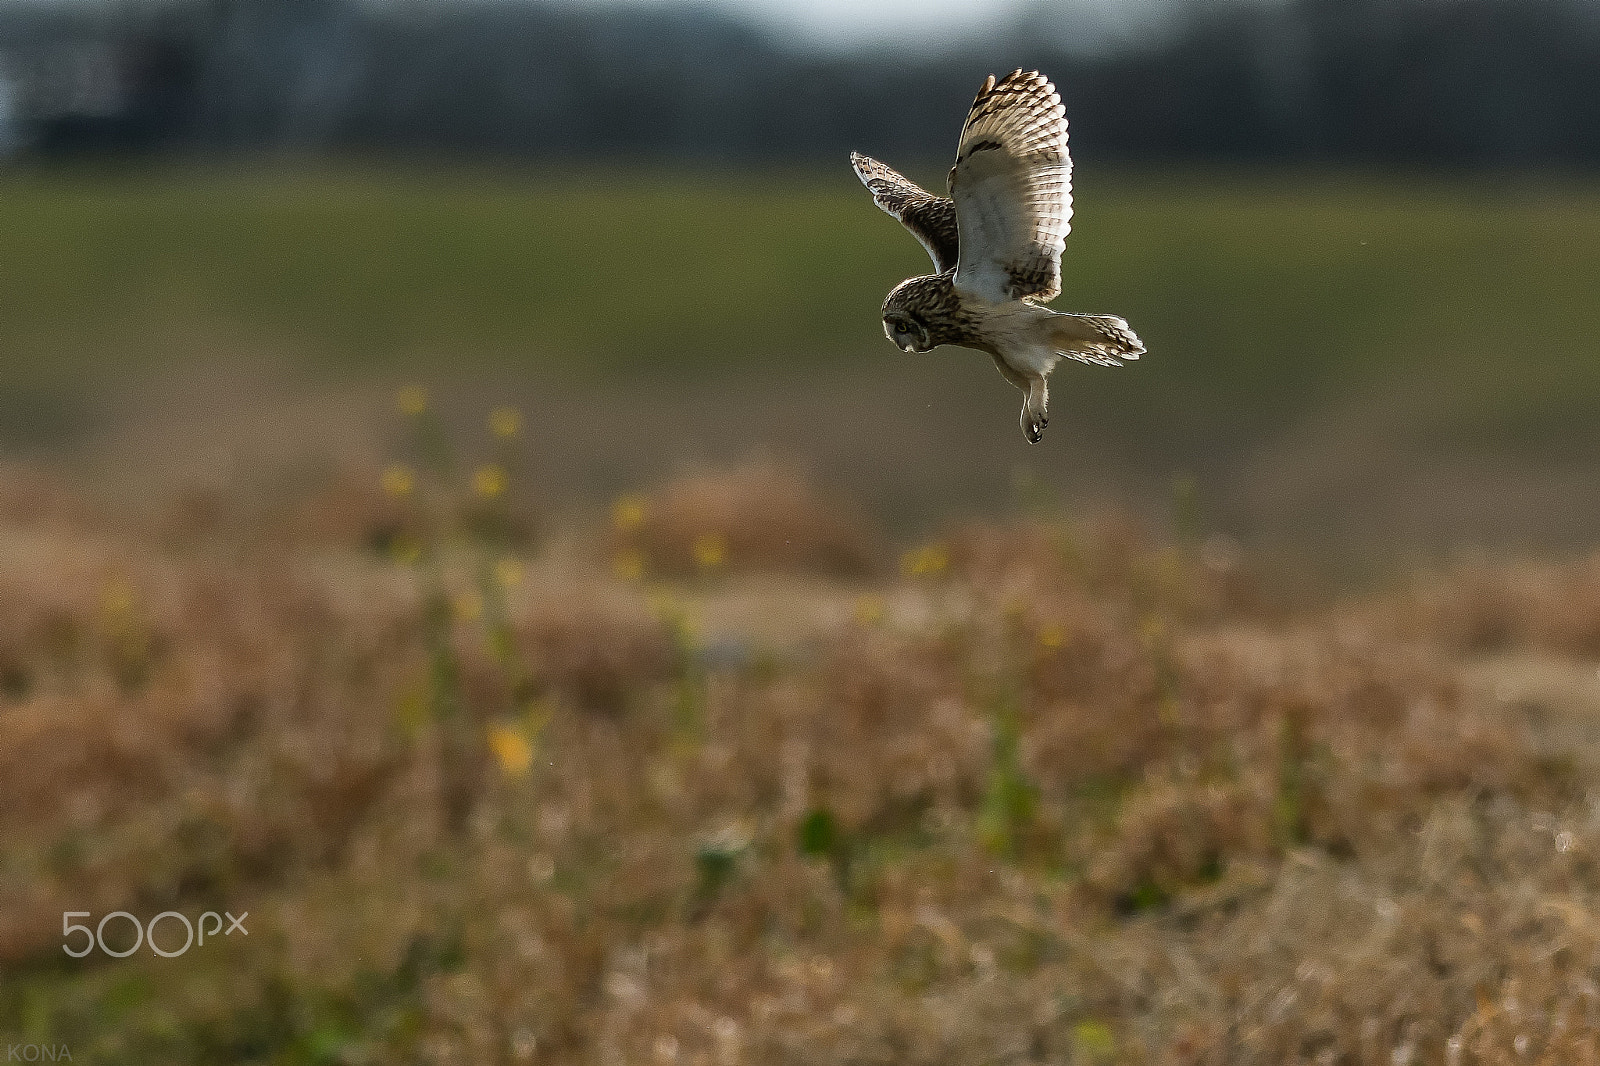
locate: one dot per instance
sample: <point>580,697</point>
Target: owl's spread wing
<point>1012,186</point>
<point>931,219</point>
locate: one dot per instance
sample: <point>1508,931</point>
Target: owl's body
<point>996,243</point>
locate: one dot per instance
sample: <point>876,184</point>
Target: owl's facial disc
<point>907,334</point>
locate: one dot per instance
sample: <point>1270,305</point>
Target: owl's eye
<point>900,327</point>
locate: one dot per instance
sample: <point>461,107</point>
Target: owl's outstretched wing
<point>931,219</point>
<point>1012,187</point>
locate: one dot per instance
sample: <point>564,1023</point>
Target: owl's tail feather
<point>1102,339</point>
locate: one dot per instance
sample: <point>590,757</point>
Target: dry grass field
<point>729,775</point>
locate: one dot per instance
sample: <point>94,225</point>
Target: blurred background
<point>1356,236</point>
<point>458,506</point>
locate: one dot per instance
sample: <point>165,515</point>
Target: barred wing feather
<point>1012,187</point>
<point>931,219</point>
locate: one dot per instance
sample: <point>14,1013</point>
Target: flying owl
<point>996,243</point>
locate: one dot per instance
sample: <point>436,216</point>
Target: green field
<point>1395,346</point>
<point>1267,291</point>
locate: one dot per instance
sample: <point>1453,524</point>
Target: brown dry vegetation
<point>761,516</point>
<point>1054,792</point>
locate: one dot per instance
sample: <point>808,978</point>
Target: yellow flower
<point>1093,1041</point>
<point>512,749</point>
<point>489,481</point>
<point>869,609</point>
<point>1052,637</point>
<point>406,552</point>
<point>628,566</point>
<point>710,550</point>
<point>627,514</point>
<point>117,598</point>
<point>930,560</point>
<point>398,481</point>
<point>505,422</point>
<point>412,400</point>
<point>468,606</point>
<point>508,572</point>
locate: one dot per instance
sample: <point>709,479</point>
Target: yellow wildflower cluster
<point>512,749</point>
<point>627,514</point>
<point>505,422</point>
<point>412,400</point>
<point>489,481</point>
<point>117,598</point>
<point>869,610</point>
<point>710,551</point>
<point>398,481</point>
<point>508,572</point>
<point>930,560</point>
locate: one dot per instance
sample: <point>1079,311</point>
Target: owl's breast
<point>1017,332</point>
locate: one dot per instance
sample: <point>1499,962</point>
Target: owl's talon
<point>1033,428</point>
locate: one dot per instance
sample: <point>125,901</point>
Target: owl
<point>996,243</point>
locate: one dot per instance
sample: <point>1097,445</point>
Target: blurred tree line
<point>1450,82</point>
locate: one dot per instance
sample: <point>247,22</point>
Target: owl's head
<point>906,332</point>
<point>909,315</point>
